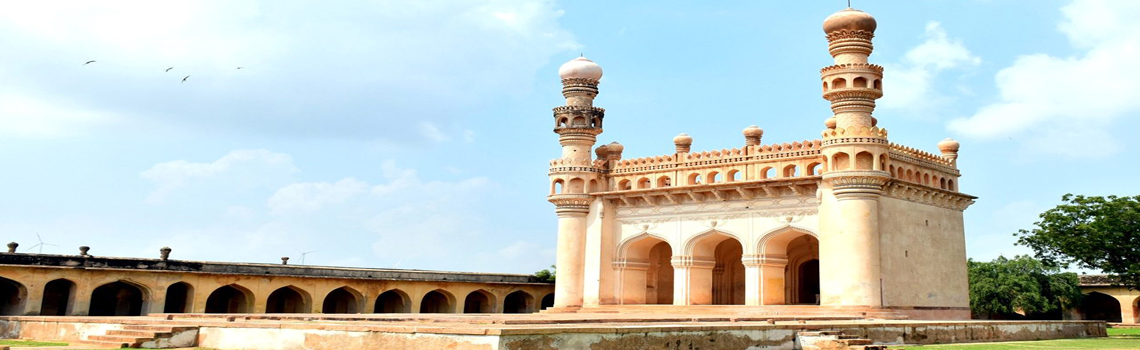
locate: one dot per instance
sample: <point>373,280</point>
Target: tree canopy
<point>546,275</point>
<point>1101,233</point>
<point>1005,287</point>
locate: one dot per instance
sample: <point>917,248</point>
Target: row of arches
<point>861,161</point>
<point>578,122</point>
<point>710,269</point>
<point>715,177</point>
<point>124,298</point>
<point>922,177</point>
<point>1100,306</point>
<point>857,82</point>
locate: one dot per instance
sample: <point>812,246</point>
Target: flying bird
<point>240,67</point>
<point>89,62</point>
<point>184,79</point>
<point>168,69</point>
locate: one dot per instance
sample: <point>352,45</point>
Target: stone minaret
<point>856,151</point>
<point>577,124</point>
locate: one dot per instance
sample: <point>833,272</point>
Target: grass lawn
<point>1118,338</point>
<point>11,342</point>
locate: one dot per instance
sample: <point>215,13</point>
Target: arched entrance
<point>717,274</point>
<point>117,299</point>
<point>59,296</point>
<point>341,301</point>
<point>13,296</point>
<point>1100,306</point>
<point>807,283</point>
<point>287,300</point>
<point>479,302</point>
<point>179,298</point>
<point>789,273</point>
<point>436,302</point>
<point>647,274</point>
<point>548,301</point>
<point>393,301</point>
<point>231,299</point>
<point>803,270</point>
<point>519,302</point>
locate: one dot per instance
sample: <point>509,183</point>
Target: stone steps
<point>834,340</point>
<point>151,336</point>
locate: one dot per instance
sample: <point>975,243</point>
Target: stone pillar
<point>571,255</point>
<point>33,304</point>
<point>772,277</point>
<point>156,304</point>
<point>752,279</point>
<point>692,280</point>
<point>633,277</point>
<point>81,304</point>
<point>1127,313</point>
<point>854,241</point>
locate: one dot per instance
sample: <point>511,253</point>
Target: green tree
<point>1005,287</point>
<point>1101,233</point>
<point>546,275</point>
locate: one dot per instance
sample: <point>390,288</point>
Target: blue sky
<point>416,134</point>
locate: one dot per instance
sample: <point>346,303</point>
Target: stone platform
<point>776,329</point>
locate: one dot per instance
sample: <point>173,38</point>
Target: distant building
<point>79,285</point>
<point>850,220</point>
<point>1104,300</point>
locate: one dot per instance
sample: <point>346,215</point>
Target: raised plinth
<point>540,331</point>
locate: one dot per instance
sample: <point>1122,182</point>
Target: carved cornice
<point>630,264</point>
<point>850,34</point>
<point>686,261</point>
<point>580,82</point>
<point>852,67</point>
<point>856,183</point>
<point>856,131</point>
<point>845,94</point>
<point>571,204</point>
<point>719,192</point>
<point>928,195</point>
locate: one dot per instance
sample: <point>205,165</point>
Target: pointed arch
<point>518,302</point>
<point>1100,306</point>
<point>698,245</point>
<point>779,238</point>
<point>547,301</point>
<point>13,297</point>
<point>645,270</point>
<point>479,302</point>
<point>289,299</point>
<point>393,301</point>
<point>438,301</point>
<point>814,168</point>
<point>343,300</point>
<point>639,242</point>
<point>179,298</point>
<point>119,298</point>
<point>59,298</point>
<point>624,185</point>
<point>230,299</point>
<point>664,181</point>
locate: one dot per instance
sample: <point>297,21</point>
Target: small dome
<point>849,19</point>
<point>615,147</point>
<point>753,131</point>
<point>683,139</point>
<point>601,151</point>
<point>582,68</point>
<point>830,122</point>
<point>948,146</point>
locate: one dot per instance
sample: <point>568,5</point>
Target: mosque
<point>849,220</point>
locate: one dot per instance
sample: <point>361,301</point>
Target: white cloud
<point>25,116</point>
<point>1069,104</point>
<point>242,167</point>
<point>919,70</point>
<point>381,67</point>
<point>312,196</point>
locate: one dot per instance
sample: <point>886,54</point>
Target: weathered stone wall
<point>314,284</point>
<point>923,256</point>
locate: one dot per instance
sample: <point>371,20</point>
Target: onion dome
<point>580,68</point>
<point>615,147</point>
<point>753,131</point>
<point>949,146</point>
<point>683,139</point>
<point>849,19</point>
<point>601,151</point>
<point>830,122</point>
